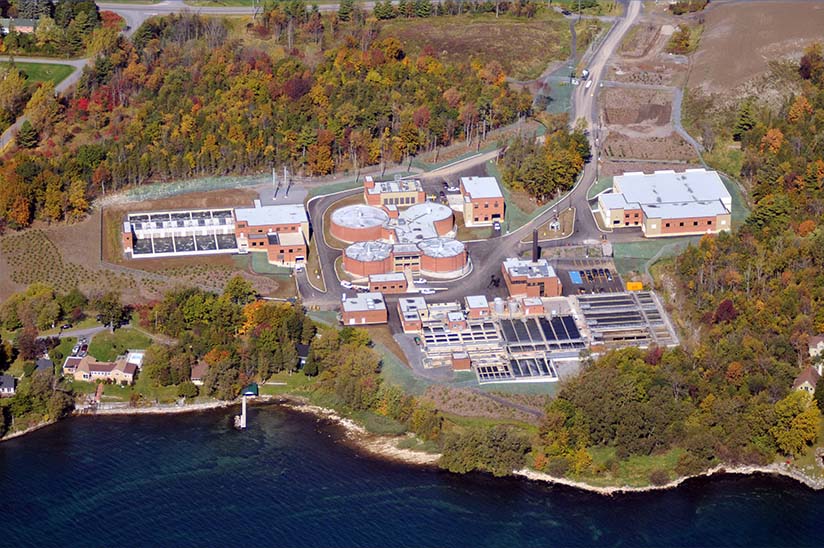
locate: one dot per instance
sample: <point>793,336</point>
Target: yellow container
<point>635,286</point>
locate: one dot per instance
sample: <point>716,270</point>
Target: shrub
<point>659,477</point>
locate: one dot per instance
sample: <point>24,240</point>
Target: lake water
<point>191,480</point>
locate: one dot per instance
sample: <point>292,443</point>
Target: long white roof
<point>272,214</point>
<point>693,185</point>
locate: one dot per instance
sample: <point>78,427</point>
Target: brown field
<point>611,168</point>
<point>638,107</point>
<point>69,255</point>
<point>638,41</point>
<point>523,47</point>
<point>671,147</point>
<point>469,403</point>
<point>740,40</point>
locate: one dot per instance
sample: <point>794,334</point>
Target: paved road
<point>87,332</point>
<point>68,82</point>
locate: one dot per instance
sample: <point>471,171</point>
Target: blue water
<point>191,480</point>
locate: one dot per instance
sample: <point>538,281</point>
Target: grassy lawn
<point>296,382</point>
<point>471,233</point>
<point>598,187</point>
<point>313,270</point>
<point>634,471</point>
<point>523,47</point>
<point>740,211</point>
<point>224,3</point>
<point>43,72</point>
<point>567,220</point>
<point>462,422</point>
<point>108,346</point>
<point>632,256</point>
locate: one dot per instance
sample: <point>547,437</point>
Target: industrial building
<point>483,201</point>
<point>281,231</point>
<point>399,193</point>
<point>385,240</point>
<point>667,203</point>
<point>635,318</point>
<point>501,342</point>
<point>531,278</point>
<point>363,309</point>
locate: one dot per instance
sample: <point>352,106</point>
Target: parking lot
<point>588,276</point>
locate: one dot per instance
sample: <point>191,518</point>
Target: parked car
<point>601,272</point>
<point>453,189</point>
<point>346,284</point>
<point>66,326</point>
<point>75,350</point>
<point>608,274</point>
<point>418,341</point>
<point>427,291</point>
<point>496,226</point>
<point>420,281</point>
<point>84,349</point>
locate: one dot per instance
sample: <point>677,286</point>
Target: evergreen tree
<point>423,8</point>
<point>346,9</point>
<point>27,136</point>
<point>746,120</point>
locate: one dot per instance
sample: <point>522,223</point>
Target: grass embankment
<point>313,269</point>
<point>42,72</point>
<point>523,47</point>
<point>108,346</point>
<point>632,256</point>
<point>634,471</point>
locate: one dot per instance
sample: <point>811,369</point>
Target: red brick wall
<point>363,317</point>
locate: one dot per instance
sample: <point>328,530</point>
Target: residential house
<point>199,373</point>
<point>807,380</point>
<point>7,386</point>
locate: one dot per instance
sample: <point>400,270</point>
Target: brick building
<point>530,278</point>
<point>666,203</point>
<point>398,193</point>
<point>363,309</point>
<point>483,202</point>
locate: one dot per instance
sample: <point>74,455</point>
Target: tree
<point>239,290</point>
<point>27,136</point>
<point>746,120</point>
<point>818,395</point>
<point>797,423</point>
<point>187,389</point>
<point>77,199</point>
<point>111,310</point>
<point>43,109</point>
<point>346,9</point>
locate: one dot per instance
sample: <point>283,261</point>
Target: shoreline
<point>385,447</point>
<point>360,439</point>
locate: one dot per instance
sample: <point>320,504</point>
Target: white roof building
<point>531,269</point>
<point>481,187</point>
<point>363,302</point>
<point>281,214</point>
<point>669,187</point>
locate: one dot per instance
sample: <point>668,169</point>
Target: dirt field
<point>670,147</point>
<point>641,59</point>
<point>467,403</point>
<point>741,39</point>
<point>67,256</point>
<point>612,168</point>
<point>523,47</point>
<point>639,109</point>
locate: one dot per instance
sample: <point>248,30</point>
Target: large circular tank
<point>442,256</point>
<point>439,215</point>
<point>357,223</point>
<point>365,258</point>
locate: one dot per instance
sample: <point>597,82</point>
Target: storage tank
<point>365,258</point>
<point>358,223</point>
<point>499,306</point>
<point>442,256</point>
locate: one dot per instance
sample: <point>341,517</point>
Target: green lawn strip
<point>107,346</point>
<point>632,256</point>
<point>602,184</point>
<point>485,422</point>
<point>560,96</point>
<point>634,471</point>
<point>531,388</point>
<point>294,383</point>
<point>225,3</point>
<point>42,72</point>
<point>740,211</point>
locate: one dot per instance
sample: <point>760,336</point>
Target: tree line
<point>183,100</point>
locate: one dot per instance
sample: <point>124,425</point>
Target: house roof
<point>72,362</point>
<point>199,371</point>
<point>44,364</point>
<point>809,375</point>
<point>6,382</point>
<point>303,350</point>
<point>476,301</point>
<point>363,302</point>
<point>667,186</point>
<point>815,340</point>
